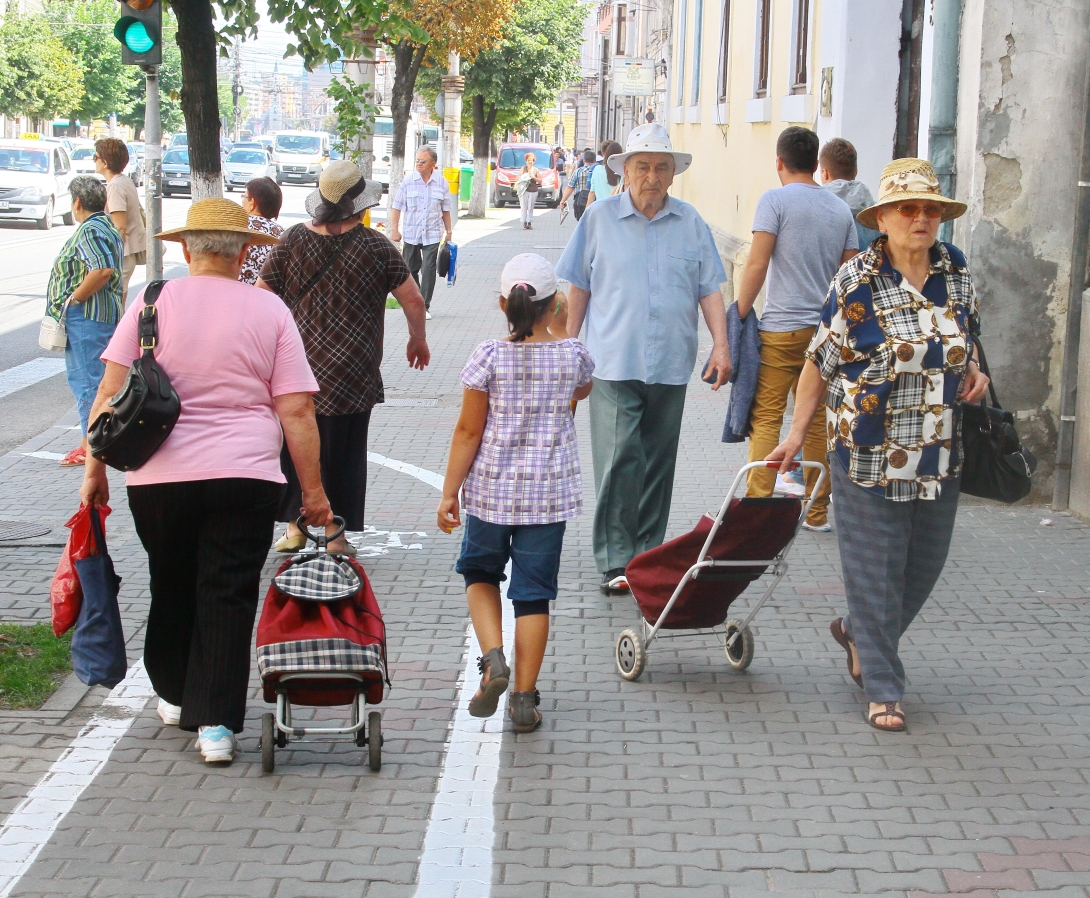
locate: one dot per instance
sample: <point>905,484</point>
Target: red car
<point>511,159</point>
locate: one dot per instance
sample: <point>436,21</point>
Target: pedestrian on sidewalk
<point>604,181</point>
<point>205,502</point>
<point>641,265</point>
<point>839,165</point>
<point>802,234</point>
<point>424,198</point>
<point>335,274</point>
<point>85,290</point>
<point>122,205</point>
<point>514,451</point>
<point>527,186</point>
<point>579,185</point>
<point>262,200</point>
<point>894,357</point>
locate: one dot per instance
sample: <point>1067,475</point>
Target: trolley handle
<point>321,540</point>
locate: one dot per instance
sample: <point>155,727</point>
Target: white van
<point>300,156</point>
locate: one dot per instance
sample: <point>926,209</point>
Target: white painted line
<point>54,456</point>
<point>429,477</point>
<point>33,822</point>
<point>29,373</point>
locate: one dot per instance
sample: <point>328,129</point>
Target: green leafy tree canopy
<point>39,76</point>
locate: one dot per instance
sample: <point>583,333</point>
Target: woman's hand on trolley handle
<point>316,510</point>
<point>808,396</point>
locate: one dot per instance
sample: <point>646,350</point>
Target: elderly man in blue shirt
<point>640,265</point>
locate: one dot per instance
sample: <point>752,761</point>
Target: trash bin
<point>452,176</point>
<point>466,184</point>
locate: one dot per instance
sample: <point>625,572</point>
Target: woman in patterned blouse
<point>262,201</point>
<point>894,357</point>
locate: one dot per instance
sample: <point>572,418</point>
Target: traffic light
<point>140,30</point>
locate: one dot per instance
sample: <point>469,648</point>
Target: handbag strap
<point>148,326</point>
<point>984,368</point>
<point>324,267</point>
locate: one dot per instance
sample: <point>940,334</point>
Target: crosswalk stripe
<point>29,373</point>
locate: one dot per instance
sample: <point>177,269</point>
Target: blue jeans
<point>83,364</point>
<point>534,551</point>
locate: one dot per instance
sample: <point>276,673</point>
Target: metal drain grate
<point>411,403</point>
<point>21,530</point>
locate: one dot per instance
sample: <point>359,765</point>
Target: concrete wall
<point>1023,66</point>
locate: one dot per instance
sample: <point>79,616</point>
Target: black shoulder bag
<point>145,409</point>
<point>995,464</point>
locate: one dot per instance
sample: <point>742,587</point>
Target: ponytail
<point>524,310</point>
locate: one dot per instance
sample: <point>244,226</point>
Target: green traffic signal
<point>139,31</point>
<point>137,38</point>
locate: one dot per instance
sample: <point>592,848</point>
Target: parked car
<point>83,161</point>
<point>176,173</point>
<point>512,157</point>
<point>34,178</point>
<point>135,168</point>
<point>243,164</point>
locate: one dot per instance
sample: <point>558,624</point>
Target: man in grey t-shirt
<point>802,233</point>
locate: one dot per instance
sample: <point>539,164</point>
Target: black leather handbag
<point>995,464</point>
<point>145,409</point>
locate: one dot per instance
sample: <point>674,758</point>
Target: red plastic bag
<point>66,594</point>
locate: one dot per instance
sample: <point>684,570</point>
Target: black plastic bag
<point>98,643</point>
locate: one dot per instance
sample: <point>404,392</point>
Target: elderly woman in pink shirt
<point>204,505</point>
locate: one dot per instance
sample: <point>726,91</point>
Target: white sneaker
<point>168,713</point>
<point>789,487</point>
<point>217,744</point>
<point>824,528</point>
<point>427,315</point>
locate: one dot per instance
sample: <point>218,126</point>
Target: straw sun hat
<point>342,186</point>
<point>909,179</point>
<point>215,214</point>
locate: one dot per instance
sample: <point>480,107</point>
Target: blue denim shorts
<point>534,551</point>
<point>87,340</point>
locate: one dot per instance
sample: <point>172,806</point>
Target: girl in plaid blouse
<point>515,454</point>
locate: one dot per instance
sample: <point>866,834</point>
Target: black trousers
<point>207,541</point>
<point>344,469</point>
<point>421,259</point>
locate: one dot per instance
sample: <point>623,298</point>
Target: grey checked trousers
<point>892,554</point>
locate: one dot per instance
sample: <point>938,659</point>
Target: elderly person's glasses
<point>913,210</point>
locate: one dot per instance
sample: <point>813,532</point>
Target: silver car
<point>243,164</point>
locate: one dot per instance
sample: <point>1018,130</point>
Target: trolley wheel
<point>374,740</point>
<point>268,742</point>
<point>739,655</point>
<point>631,654</point>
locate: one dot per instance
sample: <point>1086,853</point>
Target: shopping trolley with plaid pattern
<point>321,641</point>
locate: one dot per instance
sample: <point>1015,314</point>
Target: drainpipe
<point>1069,383</point>
<point>942,131</point>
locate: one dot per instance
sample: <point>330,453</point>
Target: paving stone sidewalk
<point>695,780</point>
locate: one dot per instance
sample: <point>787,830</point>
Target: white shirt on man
<point>422,204</point>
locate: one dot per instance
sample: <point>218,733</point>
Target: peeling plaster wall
<point>1023,65</point>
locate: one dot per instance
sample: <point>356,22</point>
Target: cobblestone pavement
<point>695,780</point>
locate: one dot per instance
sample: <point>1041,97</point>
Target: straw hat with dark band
<point>342,193</point>
<point>215,214</point>
<point>909,179</point>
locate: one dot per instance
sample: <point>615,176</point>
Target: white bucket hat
<point>529,270</point>
<point>649,138</point>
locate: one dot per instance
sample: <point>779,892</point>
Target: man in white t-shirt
<point>802,233</point>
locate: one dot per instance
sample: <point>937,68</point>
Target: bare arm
<point>262,285</point>
<point>412,304</point>
<point>121,221</point>
<point>753,277</point>
<point>578,300</point>
<point>582,392</point>
<point>395,221</point>
<point>591,197</point>
<point>296,414</point>
<point>810,392</point>
<point>715,316</point>
<point>96,279</point>
<point>96,488</point>
<point>446,224</point>
<point>463,449</point>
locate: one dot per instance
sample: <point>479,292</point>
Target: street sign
<point>140,30</point>
<point>633,77</point>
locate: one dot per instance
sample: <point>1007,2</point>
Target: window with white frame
<point>724,53</point>
<point>683,27</point>
<point>800,66</point>
<point>764,47</point>
<point>698,40</point>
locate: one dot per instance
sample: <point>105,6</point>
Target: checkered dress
<point>527,467</point>
<point>341,318</point>
<point>894,359</point>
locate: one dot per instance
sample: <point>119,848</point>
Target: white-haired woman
<point>204,505</point>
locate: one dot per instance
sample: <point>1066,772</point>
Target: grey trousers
<point>421,259</point>
<point>634,431</point>
<point>892,554</point>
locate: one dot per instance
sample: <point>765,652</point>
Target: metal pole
<point>1069,380</point>
<point>942,131</point>
<point>153,173</point>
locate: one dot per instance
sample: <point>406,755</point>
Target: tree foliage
<point>39,76</point>
<point>354,114</point>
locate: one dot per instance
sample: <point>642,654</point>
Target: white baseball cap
<point>530,270</point>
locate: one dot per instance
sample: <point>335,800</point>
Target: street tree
<point>85,30</point>
<point>39,76</point>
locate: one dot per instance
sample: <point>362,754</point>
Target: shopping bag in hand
<point>65,595</point>
<point>98,645</point>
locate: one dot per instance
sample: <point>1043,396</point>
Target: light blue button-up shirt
<point>645,279</point>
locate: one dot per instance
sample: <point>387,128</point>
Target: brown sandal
<point>837,629</point>
<point>890,711</point>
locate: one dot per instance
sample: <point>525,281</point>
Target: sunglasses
<point>912,210</point>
